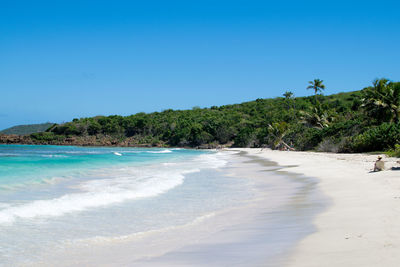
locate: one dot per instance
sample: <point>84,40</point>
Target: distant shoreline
<point>96,142</point>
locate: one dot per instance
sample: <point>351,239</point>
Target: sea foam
<point>160,152</point>
<point>98,193</point>
<point>113,186</point>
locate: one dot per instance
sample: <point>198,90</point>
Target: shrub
<point>334,145</point>
<point>328,145</point>
<point>94,128</point>
<point>46,137</point>
<point>245,138</point>
<point>382,137</point>
<point>394,152</point>
<point>304,138</point>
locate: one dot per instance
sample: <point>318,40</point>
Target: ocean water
<point>53,197</point>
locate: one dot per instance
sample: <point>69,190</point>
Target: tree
<point>288,96</point>
<point>317,86</point>
<point>393,101</point>
<point>277,131</point>
<point>290,101</point>
<point>382,100</point>
<point>318,117</point>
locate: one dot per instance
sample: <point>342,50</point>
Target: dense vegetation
<point>359,121</point>
<point>27,129</point>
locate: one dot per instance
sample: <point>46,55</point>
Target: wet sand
<point>263,233</point>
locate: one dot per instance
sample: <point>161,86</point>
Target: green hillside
<point>359,121</point>
<point>27,129</point>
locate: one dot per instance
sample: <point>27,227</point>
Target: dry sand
<point>361,227</point>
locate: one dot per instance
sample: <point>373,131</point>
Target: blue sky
<point>65,59</point>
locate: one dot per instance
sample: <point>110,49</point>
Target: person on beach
<point>379,165</point>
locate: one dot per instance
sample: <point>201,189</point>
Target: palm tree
<point>277,131</point>
<point>382,100</point>
<point>317,117</point>
<point>317,86</point>
<point>288,96</point>
<point>393,101</point>
<point>290,100</point>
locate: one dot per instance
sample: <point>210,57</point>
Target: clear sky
<point>61,60</point>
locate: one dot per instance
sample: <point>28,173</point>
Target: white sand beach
<point>361,225</point>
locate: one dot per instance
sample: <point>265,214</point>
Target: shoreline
<point>266,231</point>
<point>208,147</point>
<point>95,141</point>
<point>360,227</point>
<point>306,209</point>
<point>261,231</point>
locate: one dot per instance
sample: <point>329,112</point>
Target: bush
<point>304,138</point>
<point>328,145</point>
<point>379,138</point>
<point>394,152</point>
<point>245,138</point>
<point>334,145</point>
<point>46,137</point>
<point>94,128</point>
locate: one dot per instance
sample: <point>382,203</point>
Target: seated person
<point>379,165</point>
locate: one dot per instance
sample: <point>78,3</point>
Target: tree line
<point>358,121</point>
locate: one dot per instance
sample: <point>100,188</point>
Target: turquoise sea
<point>110,206</point>
<point>55,196</point>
